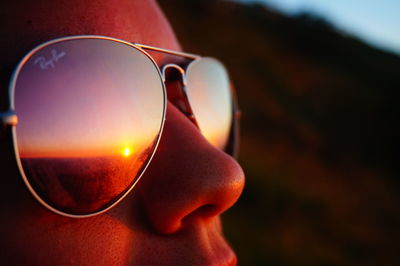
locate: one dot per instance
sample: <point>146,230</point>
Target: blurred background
<point>318,84</point>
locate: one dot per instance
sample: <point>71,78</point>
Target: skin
<point>172,217</point>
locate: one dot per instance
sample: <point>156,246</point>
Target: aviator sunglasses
<point>87,114</point>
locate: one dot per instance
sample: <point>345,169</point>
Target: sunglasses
<point>87,114</point>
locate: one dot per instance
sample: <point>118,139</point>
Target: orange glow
<point>122,148</point>
<point>127,151</point>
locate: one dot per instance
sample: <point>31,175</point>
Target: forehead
<point>25,24</point>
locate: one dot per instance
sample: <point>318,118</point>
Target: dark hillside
<point>319,137</point>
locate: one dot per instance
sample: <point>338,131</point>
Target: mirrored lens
<point>208,90</point>
<point>90,113</point>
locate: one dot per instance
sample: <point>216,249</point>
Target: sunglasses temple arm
<point>8,118</point>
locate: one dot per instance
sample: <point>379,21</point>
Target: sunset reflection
<point>87,127</point>
<point>127,151</point>
<point>210,98</point>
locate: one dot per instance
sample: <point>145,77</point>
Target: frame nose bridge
<point>164,68</point>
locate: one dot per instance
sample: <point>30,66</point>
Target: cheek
<point>49,240</point>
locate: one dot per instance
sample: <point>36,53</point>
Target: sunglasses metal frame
<point>10,119</point>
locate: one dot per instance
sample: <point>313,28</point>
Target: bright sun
<point>127,151</point>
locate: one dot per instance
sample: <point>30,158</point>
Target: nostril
<point>203,212</point>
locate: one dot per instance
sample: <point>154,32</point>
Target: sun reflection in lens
<point>126,151</point>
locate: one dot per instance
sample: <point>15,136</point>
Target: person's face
<point>172,216</point>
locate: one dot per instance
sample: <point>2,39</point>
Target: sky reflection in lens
<point>209,94</point>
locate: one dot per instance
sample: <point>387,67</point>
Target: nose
<point>188,180</point>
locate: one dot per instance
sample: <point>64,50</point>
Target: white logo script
<point>50,63</point>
